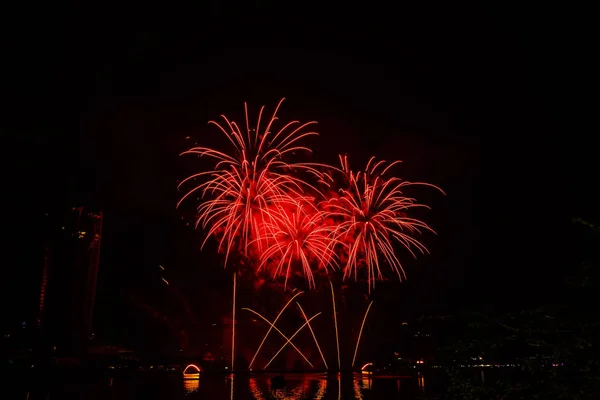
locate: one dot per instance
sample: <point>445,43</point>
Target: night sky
<point>493,104</point>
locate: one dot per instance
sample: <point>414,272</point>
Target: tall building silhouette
<point>69,278</point>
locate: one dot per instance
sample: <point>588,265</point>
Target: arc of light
<point>281,333</point>
<point>191,366</point>
<point>272,325</point>
<point>233,323</point>
<point>365,366</point>
<point>313,335</point>
<point>360,332</point>
<point>337,338</point>
<point>289,341</point>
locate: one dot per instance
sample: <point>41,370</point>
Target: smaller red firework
<point>372,214</point>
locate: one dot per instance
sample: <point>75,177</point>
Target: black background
<point>493,103</point>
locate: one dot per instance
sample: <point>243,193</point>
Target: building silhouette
<point>69,277</point>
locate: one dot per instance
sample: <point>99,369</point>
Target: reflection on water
<point>321,390</point>
<point>366,379</point>
<point>357,392</point>
<point>219,387</point>
<point>191,385</point>
<point>315,387</point>
<point>295,390</point>
<point>256,392</point>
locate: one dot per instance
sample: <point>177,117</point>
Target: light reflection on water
<point>219,387</point>
<point>318,387</point>
<point>296,390</point>
<point>191,385</point>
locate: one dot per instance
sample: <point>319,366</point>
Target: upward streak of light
<point>233,328</point>
<point>360,333</point>
<point>337,338</point>
<point>272,326</point>
<point>281,333</point>
<point>313,335</point>
<point>289,341</point>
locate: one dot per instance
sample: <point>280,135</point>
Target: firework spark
<point>243,185</point>
<point>372,214</point>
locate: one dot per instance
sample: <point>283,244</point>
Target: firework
<point>297,235</point>
<point>243,185</point>
<point>371,211</point>
<point>256,205</point>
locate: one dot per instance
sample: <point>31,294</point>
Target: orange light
<point>191,385</point>
<point>194,367</point>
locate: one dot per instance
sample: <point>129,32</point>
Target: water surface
<point>221,387</point>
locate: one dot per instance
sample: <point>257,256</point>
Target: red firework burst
<point>244,185</point>
<point>298,236</point>
<point>255,205</point>
<point>372,214</point>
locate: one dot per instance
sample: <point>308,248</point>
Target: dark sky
<point>492,103</point>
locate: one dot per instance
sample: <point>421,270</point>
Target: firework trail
<point>243,185</point>
<point>371,211</point>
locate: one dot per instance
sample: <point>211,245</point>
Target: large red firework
<point>255,205</point>
<point>372,214</point>
<point>244,185</point>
